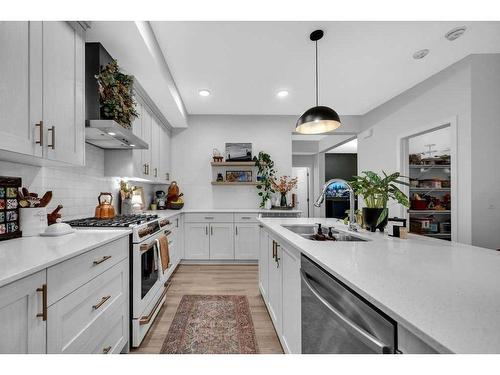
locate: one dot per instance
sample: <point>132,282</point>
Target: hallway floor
<point>214,279</point>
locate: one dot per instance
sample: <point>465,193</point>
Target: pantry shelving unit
<point>437,221</point>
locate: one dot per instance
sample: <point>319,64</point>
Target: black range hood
<point>101,132</point>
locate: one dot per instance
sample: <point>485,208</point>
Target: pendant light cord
<point>317,92</point>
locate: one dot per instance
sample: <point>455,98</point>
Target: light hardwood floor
<point>214,279</point>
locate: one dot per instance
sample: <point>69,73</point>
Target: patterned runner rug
<point>211,324</point>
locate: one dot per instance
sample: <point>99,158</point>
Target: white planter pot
<point>33,221</point>
<point>268,204</point>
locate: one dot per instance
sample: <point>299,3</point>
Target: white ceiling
<point>362,64</point>
<point>350,147</point>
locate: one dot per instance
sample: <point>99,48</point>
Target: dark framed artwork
<point>238,152</point>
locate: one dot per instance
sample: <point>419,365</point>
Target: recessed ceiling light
<point>204,92</point>
<point>111,133</point>
<point>282,94</point>
<point>455,33</point>
<point>420,54</point>
<point>132,145</point>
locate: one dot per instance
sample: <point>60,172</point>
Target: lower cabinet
<point>246,241</point>
<point>23,316</point>
<point>280,286</point>
<point>209,241</point>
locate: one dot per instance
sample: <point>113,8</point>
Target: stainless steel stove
<point>147,281</point>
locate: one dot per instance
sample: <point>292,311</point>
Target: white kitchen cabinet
<point>21,87</point>
<point>246,241</point>
<point>63,91</point>
<point>197,241</point>
<point>22,321</point>
<point>165,149</point>
<point>146,124</point>
<point>263,263</point>
<point>291,315</point>
<point>221,241</point>
<point>138,168</point>
<point>155,149</point>
<point>275,290</point>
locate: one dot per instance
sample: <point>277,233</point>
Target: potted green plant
<point>265,174</point>
<point>376,191</point>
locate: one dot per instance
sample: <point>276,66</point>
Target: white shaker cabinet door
<point>155,150</point>
<point>165,149</point>
<point>139,168</point>
<point>21,87</point>
<point>22,330</point>
<point>63,91</point>
<point>146,127</point>
<point>274,298</point>
<point>197,240</point>
<point>292,338</point>
<point>264,262</point>
<point>246,241</point>
<point>221,241</point>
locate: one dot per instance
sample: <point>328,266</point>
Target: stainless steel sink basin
<point>307,231</point>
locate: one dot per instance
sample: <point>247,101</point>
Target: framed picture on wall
<point>238,152</point>
<point>239,176</point>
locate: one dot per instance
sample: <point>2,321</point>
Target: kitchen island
<point>445,293</point>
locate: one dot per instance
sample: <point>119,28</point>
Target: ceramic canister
<point>33,221</point>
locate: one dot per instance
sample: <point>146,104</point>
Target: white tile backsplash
<point>76,188</point>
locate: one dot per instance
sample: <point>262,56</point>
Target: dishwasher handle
<point>365,337</point>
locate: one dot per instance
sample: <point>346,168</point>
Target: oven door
<point>147,275</point>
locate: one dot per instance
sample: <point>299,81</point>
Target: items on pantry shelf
<point>9,207</point>
<point>417,202</point>
<point>415,159</point>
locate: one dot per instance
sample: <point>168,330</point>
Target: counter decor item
<point>238,152</point>
<point>105,209</point>
<point>54,215</point>
<point>219,178</point>
<point>174,200</point>
<point>126,192</point>
<point>376,191</point>
<point>9,208</point>
<point>57,229</point>
<point>33,220</point>
<point>217,156</point>
<point>239,176</point>
<point>284,185</point>
<point>160,200</point>
<point>138,200</point>
<point>265,172</point>
<point>394,226</point>
<point>115,93</point>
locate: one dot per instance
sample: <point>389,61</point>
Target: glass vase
<point>283,200</point>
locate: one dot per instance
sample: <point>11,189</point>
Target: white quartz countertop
<point>24,256</point>
<point>446,293</point>
<point>170,213</point>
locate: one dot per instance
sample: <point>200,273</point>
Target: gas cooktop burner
<point>117,221</point>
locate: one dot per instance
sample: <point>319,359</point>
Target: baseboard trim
<point>218,262</point>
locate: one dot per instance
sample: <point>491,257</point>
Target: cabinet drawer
<point>245,217</point>
<point>209,217</point>
<point>67,276</point>
<point>116,337</point>
<point>78,321</point>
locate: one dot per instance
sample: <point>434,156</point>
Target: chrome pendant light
<point>319,119</point>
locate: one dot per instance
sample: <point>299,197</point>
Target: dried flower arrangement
<point>126,190</point>
<point>284,185</point>
<point>115,92</point>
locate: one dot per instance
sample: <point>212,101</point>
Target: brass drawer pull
<point>101,302</point>
<point>246,217</point>
<point>209,217</point>
<point>106,350</point>
<point>43,314</point>
<point>147,318</point>
<point>52,130</point>
<point>156,172</point>
<point>40,142</point>
<point>103,259</point>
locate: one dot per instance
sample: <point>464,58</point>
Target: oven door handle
<point>147,246</point>
<point>147,318</point>
<point>365,337</point>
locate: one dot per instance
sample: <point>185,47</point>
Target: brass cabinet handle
<point>211,230</point>
<point>167,176</point>
<point>206,231</point>
<point>43,314</point>
<point>40,142</point>
<point>147,318</point>
<point>209,217</point>
<point>106,350</point>
<point>156,172</point>
<point>245,217</point>
<point>274,250</point>
<point>236,227</point>
<point>148,169</point>
<point>101,302</point>
<point>52,131</point>
<point>145,169</point>
<point>177,222</point>
<point>103,259</point>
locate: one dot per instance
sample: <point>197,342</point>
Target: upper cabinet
<point>42,91</point>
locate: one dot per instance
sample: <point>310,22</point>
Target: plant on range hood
<point>115,93</point>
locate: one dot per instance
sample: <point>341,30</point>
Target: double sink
<point>308,232</point>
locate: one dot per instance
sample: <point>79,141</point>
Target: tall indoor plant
<point>265,173</point>
<point>376,191</point>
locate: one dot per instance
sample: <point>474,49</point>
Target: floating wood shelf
<point>429,212</point>
<point>233,164</point>
<point>234,183</point>
<point>430,166</point>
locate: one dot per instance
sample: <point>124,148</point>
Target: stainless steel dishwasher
<point>336,320</point>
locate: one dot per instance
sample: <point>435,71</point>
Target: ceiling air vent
<point>455,33</point>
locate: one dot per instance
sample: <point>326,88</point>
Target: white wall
<point>192,153</point>
<point>441,97</point>
<point>486,151</point>
<point>76,188</point>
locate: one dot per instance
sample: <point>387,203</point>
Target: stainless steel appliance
<point>336,320</point>
<point>148,284</point>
